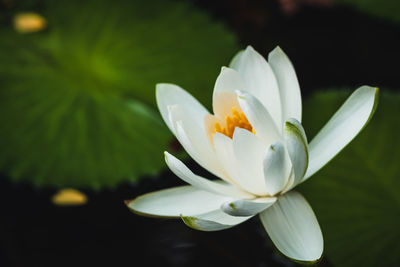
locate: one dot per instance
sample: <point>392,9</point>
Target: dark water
<point>329,47</point>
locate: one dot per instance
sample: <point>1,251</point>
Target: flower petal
<point>259,118</point>
<point>347,122</point>
<point>236,60</point>
<point>296,144</point>
<point>277,168</point>
<point>171,94</point>
<point>244,207</point>
<point>260,81</point>
<point>289,88</point>
<point>212,221</point>
<point>249,152</point>
<point>194,139</point>
<point>228,81</point>
<point>223,102</point>
<point>226,157</point>
<point>293,227</point>
<point>183,172</point>
<point>176,201</point>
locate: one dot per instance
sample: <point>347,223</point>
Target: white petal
<point>290,183</point>
<point>226,157</point>
<point>212,221</point>
<point>293,227</point>
<point>223,102</point>
<point>289,88</point>
<point>235,62</point>
<point>259,118</point>
<point>249,152</point>
<point>244,207</point>
<point>183,172</point>
<point>193,137</point>
<point>228,81</point>
<point>171,94</point>
<point>260,81</point>
<point>296,144</point>
<point>277,168</point>
<point>176,201</point>
<point>347,122</point>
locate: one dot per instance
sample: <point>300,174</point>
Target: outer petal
<point>183,172</point>
<point>277,168</point>
<point>289,88</point>
<point>234,64</point>
<point>347,122</point>
<point>293,227</point>
<point>176,201</point>
<point>259,118</point>
<point>249,152</point>
<point>193,137</point>
<point>171,94</point>
<point>244,207</point>
<point>212,221</point>
<point>296,143</point>
<point>260,81</point>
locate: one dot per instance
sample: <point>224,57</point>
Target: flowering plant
<point>255,143</point>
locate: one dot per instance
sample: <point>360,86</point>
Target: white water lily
<point>255,143</point>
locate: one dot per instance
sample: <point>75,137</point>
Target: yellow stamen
<point>238,119</point>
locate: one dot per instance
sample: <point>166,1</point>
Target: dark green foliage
<point>356,196</point>
<point>388,9</point>
<point>77,103</point>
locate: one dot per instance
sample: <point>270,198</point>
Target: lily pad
<point>77,104</point>
<point>356,196</point>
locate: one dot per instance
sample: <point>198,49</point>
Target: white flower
<point>256,144</point>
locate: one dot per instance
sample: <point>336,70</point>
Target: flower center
<point>237,119</point>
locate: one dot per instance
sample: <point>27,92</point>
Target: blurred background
<point>80,132</point>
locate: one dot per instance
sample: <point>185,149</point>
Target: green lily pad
<point>388,9</point>
<point>77,100</point>
<point>356,196</point>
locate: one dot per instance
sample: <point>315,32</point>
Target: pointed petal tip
<point>190,221</point>
<point>212,221</point>
<point>246,208</point>
<point>230,208</point>
<point>166,155</point>
<point>277,50</point>
<point>290,126</point>
<point>274,147</point>
<point>127,202</point>
<point>163,87</point>
<point>249,48</point>
<point>201,224</point>
<point>130,205</point>
<point>376,102</point>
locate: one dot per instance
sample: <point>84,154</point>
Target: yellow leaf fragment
<point>29,22</point>
<point>69,197</point>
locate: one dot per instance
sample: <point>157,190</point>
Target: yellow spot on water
<point>29,22</point>
<point>237,119</point>
<point>69,197</point>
